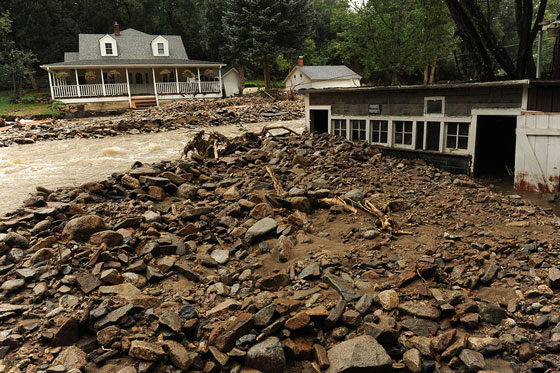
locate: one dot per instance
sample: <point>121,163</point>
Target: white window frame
<point>162,50</point>
<point>344,122</point>
<point>413,133</point>
<point>158,40</point>
<point>468,136</point>
<point>365,130</point>
<point>434,98</point>
<point>107,39</point>
<point>386,143</point>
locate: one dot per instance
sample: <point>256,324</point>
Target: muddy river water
<point>76,161</point>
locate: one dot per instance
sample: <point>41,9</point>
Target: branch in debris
<point>277,185</point>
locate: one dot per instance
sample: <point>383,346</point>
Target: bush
<point>27,99</point>
<point>58,105</point>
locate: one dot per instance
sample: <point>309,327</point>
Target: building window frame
<point>161,48</point>
<point>379,128</point>
<point>362,132</point>
<point>340,127</point>
<point>434,98</point>
<point>405,133</point>
<point>457,136</point>
<point>108,48</point>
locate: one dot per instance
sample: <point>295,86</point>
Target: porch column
<point>78,83</point>
<point>221,94</point>
<point>50,84</point>
<point>177,80</point>
<point>103,84</point>
<point>155,86</point>
<point>128,88</point>
<point>199,84</point>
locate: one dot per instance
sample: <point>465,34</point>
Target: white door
<point>141,82</point>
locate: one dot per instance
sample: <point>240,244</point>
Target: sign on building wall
<point>374,109</point>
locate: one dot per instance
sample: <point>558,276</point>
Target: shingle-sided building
<point>316,77</point>
<point>132,67</point>
<point>478,128</point>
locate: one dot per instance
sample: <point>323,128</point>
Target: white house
<point>231,81</point>
<point>132,69</point>
<point>318,77</point>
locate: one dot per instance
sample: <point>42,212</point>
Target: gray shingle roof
<point>133,48</point>
<point>328,72</point>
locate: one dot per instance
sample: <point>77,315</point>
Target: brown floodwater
<point>74,162</point>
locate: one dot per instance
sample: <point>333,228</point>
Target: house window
<point>434,105</point>
<point>339,126</point>
<point>109,79</point>
<point>457,135</point>
<point>160,48</point>
<point>403,132</point>
<point>358,129</point>
<point>139,78</point>
<point>379,131</point>
<point>109,48</point>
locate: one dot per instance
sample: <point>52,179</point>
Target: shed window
<point>433,105</point>
<point>108,48</point>
<point>358,129</point>
<point>457,135</point>
<point>339,126</point>
<point>160,48</point>
<point>403,132</point>
<point>379,131</point>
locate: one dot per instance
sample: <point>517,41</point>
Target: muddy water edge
<point>74,162</point>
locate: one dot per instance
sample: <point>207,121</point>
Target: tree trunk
<point>34,82</point>
<point>426,73</point>
<point>556,60</point>
<point>241,79</point>
<point>267,72</point>
<point>433,72</point>
<point>14,81</point>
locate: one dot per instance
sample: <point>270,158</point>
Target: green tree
<point>263,29</point>
<point>399,37</point>
<point>14,63</point>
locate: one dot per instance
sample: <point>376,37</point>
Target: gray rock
<point>336,313</point>
<point>312,270</point>
<point>362,353</point>
<point>14,239</point>
<point>344,288</point>
<point>485,345</point>
<point>146,351</point>
<point>260,229</point>
<point>355,195</point>
<point>489,272</point>
<point>554,277</point>
<point>472,359</point>
<point>26,273</point>
<point>267,356</point>
<point>87,282</point>
<point>172,320</point>
<point>12,285</point>
<point>81,228</point>
<point>71,358</point>
<point>113,317</point>
<point>421,327</point>
<point>15,255</point>
<point>42,255</point>
<point>220,256</point>
<point>41,226</point>
<point>364,303</point>
<point>265,315</point>
<point>492,313</point>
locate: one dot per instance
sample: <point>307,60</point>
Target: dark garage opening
<point>319,121</point>
<point>495,147</point>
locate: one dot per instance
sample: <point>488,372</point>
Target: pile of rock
<point>254,262</point>
<point>181,114</point>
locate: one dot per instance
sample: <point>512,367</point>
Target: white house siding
<point>537,153</point>
<point>231,83</point>
<point>300,82</point>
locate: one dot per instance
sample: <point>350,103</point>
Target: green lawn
<point>260,83</point>
<point>24,110</point>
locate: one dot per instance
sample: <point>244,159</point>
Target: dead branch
<point>266,129</point>
<point>277,185</point>
<point>337,201</point>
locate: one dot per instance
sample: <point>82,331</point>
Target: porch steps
<point>143,102</point>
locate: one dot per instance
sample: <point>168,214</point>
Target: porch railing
<point>188,87</point>
<point>90,90</point>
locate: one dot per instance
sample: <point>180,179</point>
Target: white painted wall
<point>160,39</point>
<point>108,39</point>
<point>537,152</point>
<point>298,80</point>
<point>231,83</point>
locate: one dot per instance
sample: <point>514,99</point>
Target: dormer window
<point>108,46</point>
<point>160,47</point>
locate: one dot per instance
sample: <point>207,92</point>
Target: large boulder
<point>360,354</point>
<point>81,228</point>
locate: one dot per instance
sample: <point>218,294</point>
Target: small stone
<point>311,271</point>
<point>420,309</point>
<point>260,229</point>
<point>554,277</point>
<point>362,353</point>
<point>12,285</point>
<point>87,282</point>
<point>413,360</point>
<point>389,299</point>
<point>485,345</point>
<point>112,276</point>
<point>235,329</point>
<point>146,351</point>
<point>297,322</point>
<point>108,335</point>
<point>365,302</point>
<point>343,287</point>
<point>71,358</point>
<point>355,195</point>
<point>220,256</point>
<point>492,313</point>
<point>172,320</point>
<point>265,315</point>
<point>336,313</point>
<point>321,356</point>
<point>472,359</point>
<point>178,355</point>
<point>352,318</point>
<point>470,320</point>
<point>526,352</point>
<point>108,237</point>
<point>41,255</point>
<point>267,356</point>
<point>153,275</point>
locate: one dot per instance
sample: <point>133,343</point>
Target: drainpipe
<point>539,55</point>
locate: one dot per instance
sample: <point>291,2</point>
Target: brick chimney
<point>300,61</point>
<point>117,29</point>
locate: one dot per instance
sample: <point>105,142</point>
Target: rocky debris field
<point>188,113</point>
<point>289,254</point>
